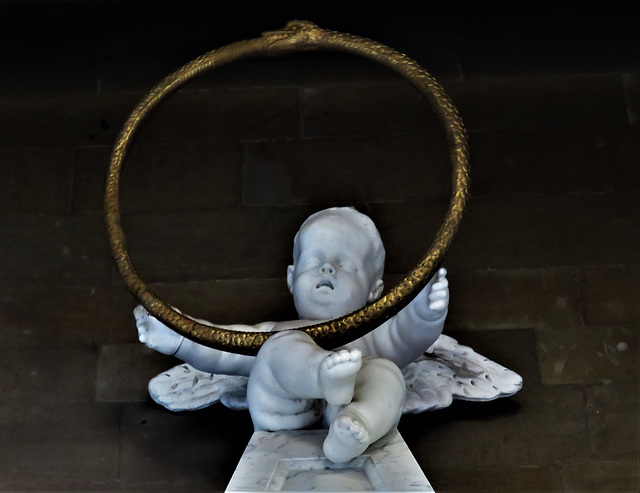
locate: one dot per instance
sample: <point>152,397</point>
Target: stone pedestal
<point>294,461</point>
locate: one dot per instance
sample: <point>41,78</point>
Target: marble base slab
<point>294,461</point>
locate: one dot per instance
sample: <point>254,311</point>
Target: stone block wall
<point>544,271</point>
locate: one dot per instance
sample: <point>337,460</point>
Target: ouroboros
<point>296,36</point>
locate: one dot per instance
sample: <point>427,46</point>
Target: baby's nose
<point>327,268</point>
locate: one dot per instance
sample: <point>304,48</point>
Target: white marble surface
<point>338,262</point>
<point>448,371</point>
<point>294,461</point>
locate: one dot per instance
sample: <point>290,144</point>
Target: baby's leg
<point>291,369</point>
<point>376,408</point>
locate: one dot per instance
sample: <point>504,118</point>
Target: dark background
<point>544,271</point>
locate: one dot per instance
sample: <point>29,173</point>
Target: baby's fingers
<point>438,299</point>
<point>437,305</point>
<point>143,333</point>
<point>441,285</point>
<point>438,295</point>
<point>439,292</point>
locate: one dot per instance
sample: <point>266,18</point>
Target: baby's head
<point>338,261</point>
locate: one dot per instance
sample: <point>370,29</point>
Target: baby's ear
<point>290,270</point>
<point>376,291</point>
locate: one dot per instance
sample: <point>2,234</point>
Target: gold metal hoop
<point>296,36</point>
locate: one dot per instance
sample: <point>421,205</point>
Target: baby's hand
<point>438,294</point>
<point>155,334</point>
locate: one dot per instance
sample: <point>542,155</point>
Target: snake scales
<point>296,36</point>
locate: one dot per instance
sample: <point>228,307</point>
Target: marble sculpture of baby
<point>338,262</point>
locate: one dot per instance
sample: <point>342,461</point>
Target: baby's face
<point>332,276</point>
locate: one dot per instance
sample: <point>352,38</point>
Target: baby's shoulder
<point>267,326</point>
<point>288,325</point>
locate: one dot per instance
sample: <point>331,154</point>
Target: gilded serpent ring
<point>296,36</point>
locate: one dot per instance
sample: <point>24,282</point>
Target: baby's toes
<point>332,360</point>
<point>357,431</point>
<point>343,356</point>
<point>355,355</point>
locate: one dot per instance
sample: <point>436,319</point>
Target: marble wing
<point>450,371</point>
<point>447,371</point>
<point>183,388</point>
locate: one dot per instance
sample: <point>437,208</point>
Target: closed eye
<point>311,263</point>
<point>348,267</point>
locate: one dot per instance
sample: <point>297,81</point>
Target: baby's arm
<point>407,335</point>
<point>158,336</point>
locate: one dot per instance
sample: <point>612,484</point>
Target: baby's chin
<point>324,311</point>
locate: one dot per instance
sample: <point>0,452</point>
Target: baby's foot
<point>337,375</point>
<point>348,437</point>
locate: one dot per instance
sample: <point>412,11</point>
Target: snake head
<point>297,33</point>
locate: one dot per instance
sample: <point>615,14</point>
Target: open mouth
<point>324,284</point>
